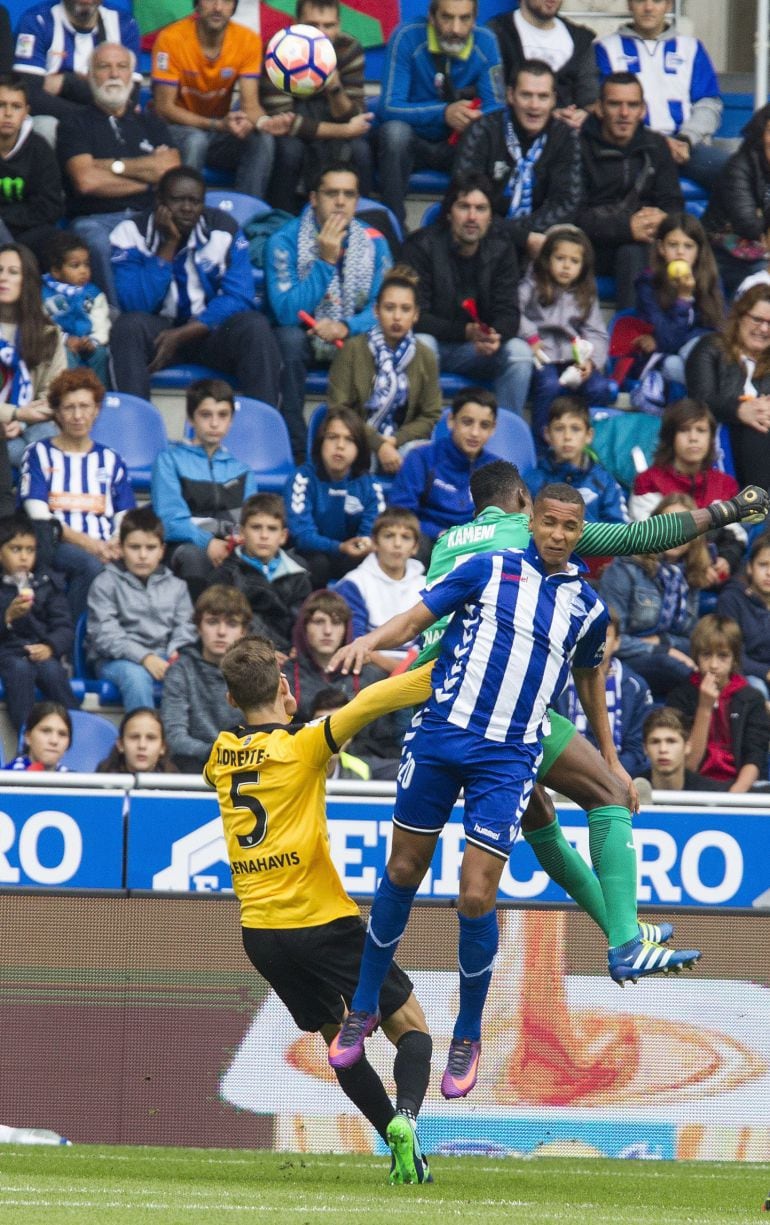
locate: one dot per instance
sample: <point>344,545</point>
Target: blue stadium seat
<point>512,439</point>
<point>239,206</point>
<point>431,213</point>
<point>258,437</point>
<point>135,429</point>
<point>429,182</point>
<point>318,414</point>
<point>92,738</point>
<point>364,203</point>
<point>317,381</point>
<point>606,288</point>
<point>84,677</point>
<point>178,378</point>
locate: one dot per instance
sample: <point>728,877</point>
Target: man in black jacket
<point>630,183</point>
<point>31,199</point>
<point>534,31</point>
<point>532,158</point>
<point>467,295</point>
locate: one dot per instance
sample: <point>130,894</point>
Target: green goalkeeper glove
<point>751,505</point>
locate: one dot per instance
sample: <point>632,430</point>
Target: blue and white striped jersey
<point>86,490</point>
<point>675,73</point>
<point>47,41</point>
<point>506,654</point>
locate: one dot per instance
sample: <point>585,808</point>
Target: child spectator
<point>665,743</point>
<point>78,482</point>
<point>730,733</point>
<point>569,435</point>
<point>684,463</point>
<point>559,309</point>
<point>139,614</point>
<point>140,747</point>
<point>680,295</point>
<point>333,500</point>
<point>47,737</point>
<point>324,622</point>
<point>198,487</point>
<point>387,377</point>
<point>273,580</point>
<point>77,306</point>
<point>434,481</point>
<point>36,624</point>
<point>31,353</point>
<point>656,601</point>
<point>388,581</point>
<point>194,707</point>
<point>628,701</point>
<point>748,603</point>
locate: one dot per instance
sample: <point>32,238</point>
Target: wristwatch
<point>118,167</point>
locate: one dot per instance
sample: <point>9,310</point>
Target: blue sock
<point>387,920</point>
<point>477,950</point>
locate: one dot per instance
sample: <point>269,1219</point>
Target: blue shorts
<point>439,759</point>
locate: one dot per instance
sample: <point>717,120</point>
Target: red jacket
<point>704,487</point>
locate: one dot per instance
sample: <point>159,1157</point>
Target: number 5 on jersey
<point>238,800</point>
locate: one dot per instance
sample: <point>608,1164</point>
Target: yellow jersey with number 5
<point>271,786</point>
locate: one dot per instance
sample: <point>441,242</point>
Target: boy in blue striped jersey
<point>524,617</point>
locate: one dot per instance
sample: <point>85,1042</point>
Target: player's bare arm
<point>394,633</point>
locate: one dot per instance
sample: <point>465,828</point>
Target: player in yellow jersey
<point>300,929</point>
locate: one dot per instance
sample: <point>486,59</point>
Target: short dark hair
<point>271,504</point>
<point>560,491</point>
<point>536,68</point>
<point>204,389</point>
<point>757,546</point>
<point>41,710</point>
<point>474,395</point>
<point>141,519</point>
<point>328,602</point>
<point>18,84</point>
<point>316,4</point>
<point>497,482</point>
<point>17,524</point>
<point>667,718</point>
<point>174,175</point>
<point>569,406</point>
<point>63,244</point>
<point>396,516</point>
<point>251,672</point>
<point>336,168</point>
<point>330,698</point>
<point>222,601</point>
<point>676,417</point>
<point>462,185</point>
<point>619,78</point>
<point>355,424</point>
<point>80,378</point>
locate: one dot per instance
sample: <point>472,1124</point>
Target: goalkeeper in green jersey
<point>570,764</point>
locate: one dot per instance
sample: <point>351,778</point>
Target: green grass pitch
<point>114,1186</point>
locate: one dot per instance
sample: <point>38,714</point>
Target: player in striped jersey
<point>570,764</point>
<point>300,929</point>
<point>629,956</point>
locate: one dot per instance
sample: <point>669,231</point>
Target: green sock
<point>567,868</point>
<point>612,853</point>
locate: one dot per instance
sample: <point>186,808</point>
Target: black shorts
<point>314,970</point>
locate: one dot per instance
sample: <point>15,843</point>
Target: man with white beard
<point>112,157</point>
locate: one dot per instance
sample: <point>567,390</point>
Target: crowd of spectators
<point>565,155</point>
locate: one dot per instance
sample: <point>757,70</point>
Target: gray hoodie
<point>128,619</point>
<point>677,76</point>
<point>194,709</point>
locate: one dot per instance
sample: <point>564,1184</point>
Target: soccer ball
<point>299,60</point>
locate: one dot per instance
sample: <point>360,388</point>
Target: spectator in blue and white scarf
<point>389,377</point>
<point>531,157</point>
